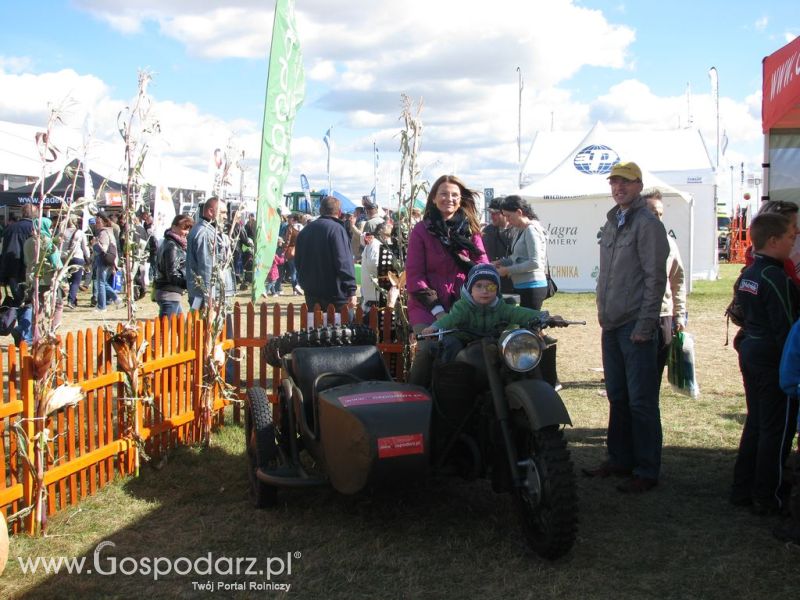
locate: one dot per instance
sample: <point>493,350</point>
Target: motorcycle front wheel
<point>548,501</point>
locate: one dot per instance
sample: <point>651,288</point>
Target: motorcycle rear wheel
<point>550,521</point>
<point>262,450</point>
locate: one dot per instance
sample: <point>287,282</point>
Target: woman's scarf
<point>178,239</point>
<point>455,235</point>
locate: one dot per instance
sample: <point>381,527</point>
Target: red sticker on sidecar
<point>400,445</point>
<point>386,397</point>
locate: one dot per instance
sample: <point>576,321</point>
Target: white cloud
<point>33,93</point>
<point>387,40</point>
<point>460,56</point>
<point>363,119</point>
<point>124,23</point>
<point>761,24</point>
<point>15,64</point>
<point>187,133</point>
<point>321,70</point>
<point>222,33</point>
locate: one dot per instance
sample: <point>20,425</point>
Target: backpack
<point>734,311</point>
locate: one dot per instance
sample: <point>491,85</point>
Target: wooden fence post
<point>29,426</point>
<point>197,401</point>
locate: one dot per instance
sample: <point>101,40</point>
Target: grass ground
<point>448,538</point>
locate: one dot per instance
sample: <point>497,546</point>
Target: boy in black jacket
<point>770,303</point>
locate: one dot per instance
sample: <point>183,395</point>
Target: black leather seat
<point>364,362</point>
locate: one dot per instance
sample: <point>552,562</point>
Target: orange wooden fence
<point>90,446</point>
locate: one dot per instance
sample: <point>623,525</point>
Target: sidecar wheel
<point>262,450</point>
<point>549,506</point>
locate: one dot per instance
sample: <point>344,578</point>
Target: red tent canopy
<point>780,104</point>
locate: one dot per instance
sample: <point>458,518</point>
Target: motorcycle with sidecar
<point>341,420</point>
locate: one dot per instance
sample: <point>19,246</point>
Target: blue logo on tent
<point>595,159</point>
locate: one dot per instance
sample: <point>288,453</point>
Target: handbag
<point>552,288</point>
<point>110,256</point>
<point>681,371</point>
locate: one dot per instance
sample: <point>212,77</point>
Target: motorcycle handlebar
<point>563,322</point>
<point>552,322</point>
<point>423,336</point>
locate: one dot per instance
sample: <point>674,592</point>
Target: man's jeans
<point>23,332</point>
<point>634,420</point>
<point>167,308</point>
<point>75,280</point>
<point>105,292</point>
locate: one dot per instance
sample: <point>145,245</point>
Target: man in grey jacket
<point>207,249</point>
<point>630,287</point>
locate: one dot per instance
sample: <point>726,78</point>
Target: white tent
<point>572,201</point>
<point>677,157</point>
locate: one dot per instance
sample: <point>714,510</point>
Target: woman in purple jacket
<point>441,250</point>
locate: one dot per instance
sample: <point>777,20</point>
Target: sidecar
<point>339,420</point>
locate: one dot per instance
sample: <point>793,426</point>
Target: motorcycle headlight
<point>521,350</point>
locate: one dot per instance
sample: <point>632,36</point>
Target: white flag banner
<point>328,139</point>
<point>376,168</point>
<point>163,212</point>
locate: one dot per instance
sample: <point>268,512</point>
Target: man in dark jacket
<point>324,260</point>
<point>12,264</point>
<point>771,304</point>
<point>497,240</point>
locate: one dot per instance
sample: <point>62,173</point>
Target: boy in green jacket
<point>481,309</point>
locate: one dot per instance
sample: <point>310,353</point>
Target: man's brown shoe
<point>637,485</point>
<point>607,470</point>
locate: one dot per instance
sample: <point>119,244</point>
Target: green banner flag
<point>285,91</point>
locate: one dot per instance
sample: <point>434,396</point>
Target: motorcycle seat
<point>364,362</point>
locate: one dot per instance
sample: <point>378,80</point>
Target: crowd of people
<point>70,251</point>
<point>180,266</point>
<point>456,269</point>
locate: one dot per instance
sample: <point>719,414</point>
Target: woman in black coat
<point>170,280</point>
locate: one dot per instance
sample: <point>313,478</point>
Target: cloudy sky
<point>628,64</point>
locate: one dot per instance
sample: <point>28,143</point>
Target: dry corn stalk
<point>124,344</point>
<point>129,361</point>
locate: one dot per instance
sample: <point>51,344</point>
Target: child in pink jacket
<point>274,275</point>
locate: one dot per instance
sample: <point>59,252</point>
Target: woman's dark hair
<point>467,206</point>
<point>512,203</point>
<point>182,221</point>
